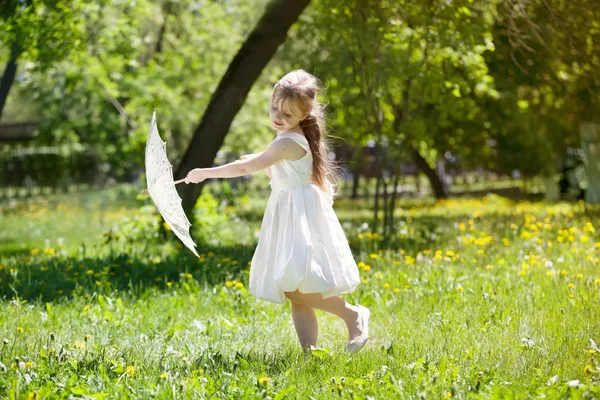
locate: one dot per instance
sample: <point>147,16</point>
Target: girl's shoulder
<point>296,137</point>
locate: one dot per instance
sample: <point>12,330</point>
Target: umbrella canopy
<point>161,187</point>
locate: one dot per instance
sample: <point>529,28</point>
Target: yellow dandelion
<point>86,308</point>
<point>187,275</point>
<point>79,345</point>
<point>580,276</point>
<point>379,275</point>
<point>592,351</point>
<point>49,251</point>
<point>32,396</point>
<point>563,273</point>
<point>587,369</point>
<point>166,226</point>
<point>396,290</point>
<point>130,371</point>
<point>386,286</point>
<point>239,285</point>
<point>367,267</point>
<point>571,286</point>
<point>361,264</point>
<point>460,289</point>
<point>374,256</point>
<point>164,375</point>
<point>35,251</point>
<point>448,395</point>
<point>263,380</point>
<point>90,272</point>
<point>229,284</point>
<point>550,273</point>
<point>19,329</point>
<point>360,236</point>
<point>462,227</point>
<point>489,267</point>
<point>522,272</point>
<point>28,364</point>
<point>169,284</point>
<point>364,281</point>
<point>571,295</point>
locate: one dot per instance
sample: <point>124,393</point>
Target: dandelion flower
<point>263,380</point>
<point>164,375</point>
<point>587,369</point>
<point>130,371</point>
<point>19,329</point>
<point>448,395</point>
<point>239,285</point>
<point>460,289</point>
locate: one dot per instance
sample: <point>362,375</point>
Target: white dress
<point>301,243</point>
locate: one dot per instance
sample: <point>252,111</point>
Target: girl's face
<point>282,116</point>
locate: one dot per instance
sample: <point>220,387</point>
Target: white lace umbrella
<point>161,187</point>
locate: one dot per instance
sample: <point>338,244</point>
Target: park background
<point>468,134</point>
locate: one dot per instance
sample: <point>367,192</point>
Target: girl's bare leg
<point>305,322</point>
<point>334,305</point>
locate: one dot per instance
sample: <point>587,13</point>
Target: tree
<point>40,31</point>
<point>270,31</point>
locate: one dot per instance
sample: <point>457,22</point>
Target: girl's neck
<point>296,129</point>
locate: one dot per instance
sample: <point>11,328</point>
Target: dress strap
<point>298,138</point>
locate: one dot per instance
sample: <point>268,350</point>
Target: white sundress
<point>301,244</point>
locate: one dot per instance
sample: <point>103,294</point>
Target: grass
<point>472,298</point>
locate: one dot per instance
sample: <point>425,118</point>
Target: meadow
<point>472,298</point>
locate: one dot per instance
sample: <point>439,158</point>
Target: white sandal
<point>358,342</point>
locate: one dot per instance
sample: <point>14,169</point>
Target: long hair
<point>301,88</point>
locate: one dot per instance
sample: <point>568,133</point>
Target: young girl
<point>302,252</point>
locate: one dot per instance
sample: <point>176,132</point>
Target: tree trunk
<point>376,208</point>
<point>355,183</point>
<point>260,46</point>
<point>393,199</point>
<point>436,184</point>
<point>9,75</point>
<point>384,184</point>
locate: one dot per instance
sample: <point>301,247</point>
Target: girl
<point>302,252</point>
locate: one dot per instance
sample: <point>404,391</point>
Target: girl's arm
<point>268,172</point>
<point>277,151</point>
<point>248,156</point>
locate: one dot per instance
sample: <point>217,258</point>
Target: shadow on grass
<point>48,278</point>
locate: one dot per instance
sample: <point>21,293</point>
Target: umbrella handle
<point>145,191</point>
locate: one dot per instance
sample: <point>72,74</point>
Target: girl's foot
<point>358,340</point>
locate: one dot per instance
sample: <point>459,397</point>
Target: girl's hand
<point>196,175</point>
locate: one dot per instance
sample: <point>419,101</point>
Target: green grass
<point>470,299</point>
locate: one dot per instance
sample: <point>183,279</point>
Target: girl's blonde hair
<point>300,89</point>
